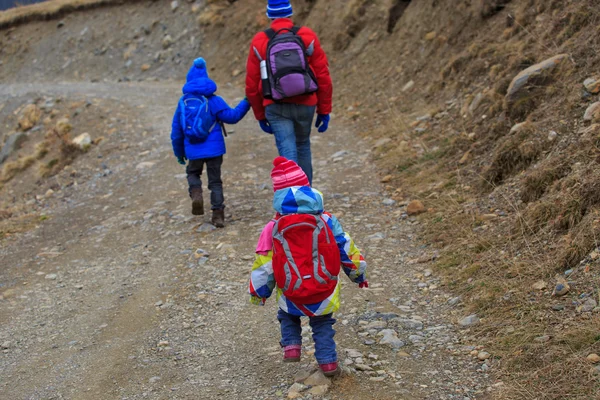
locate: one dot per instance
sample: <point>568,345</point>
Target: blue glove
<point>181,160</point>
<point>322,122</point>
<point>265,126</point>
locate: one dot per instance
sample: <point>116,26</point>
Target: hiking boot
<point>197,201</point>
<point>292,353</point>
<point>330,369</point>
<point>218,218</point>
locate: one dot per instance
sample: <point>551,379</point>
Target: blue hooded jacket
<point>199,84</point>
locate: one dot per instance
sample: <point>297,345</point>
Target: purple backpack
<point>288,71</point>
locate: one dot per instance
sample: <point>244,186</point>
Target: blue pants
<point>291,125</point>
<point>323,332</point>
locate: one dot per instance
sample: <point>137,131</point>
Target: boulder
<point>519,97</point>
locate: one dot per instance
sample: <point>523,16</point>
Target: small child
<point>301,251</point>
<point>197,136</point>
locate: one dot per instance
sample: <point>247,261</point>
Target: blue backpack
<point>196,119</point>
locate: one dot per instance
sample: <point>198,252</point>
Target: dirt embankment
<point>507,167</point>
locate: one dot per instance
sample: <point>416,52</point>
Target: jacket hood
<point>198,81</point>
<point>298,200</point>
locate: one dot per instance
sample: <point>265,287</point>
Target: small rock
<point>592,85</point>
<point>167,41</point>
<point>552,135</point>
<point>390,337</point>
<point>592,113</point>
<point>319,390</point>
<point>386,179</point>
<point>588,305</point>
<point>415,207</point>
<point>317,379</point>
<point>381,142</point>
<point>51,277</point>
<point>154,379</point>
<point>6,344</point>
<point>558,307</point>
<point>388,202</point>
<point>409,85</point>
<point>561,289</point>
<point>49,193</point>
<point>206,227</point>
<point>296,388</point>
<point>483,355</point>
<point>352,353</point>
<point>363,367</point>
<point>470,320</point>
<point>145,165</point>
<point>174,5</point>
<point>145,67</point>
<point>163,343</point>
<point>539,285</point>
<point>83,141</point>
<point>12,143</point>
<point>376,325</point>
<point>593,358</point>
<point>542,339</point>
<point>302,376</point>
<point>454,301</point>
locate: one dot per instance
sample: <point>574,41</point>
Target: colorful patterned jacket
<point>302,200</point>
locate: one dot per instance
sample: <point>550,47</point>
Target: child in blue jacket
<point>210,151</point>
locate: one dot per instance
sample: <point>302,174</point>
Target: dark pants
<point>215,184</point>
<point>322,328</point>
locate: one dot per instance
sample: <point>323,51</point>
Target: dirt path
<point>106,300</point>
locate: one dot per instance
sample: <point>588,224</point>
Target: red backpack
<point>306,259</point>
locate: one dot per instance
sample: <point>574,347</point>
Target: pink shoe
<point>292,353</point>
<point>330,369</point>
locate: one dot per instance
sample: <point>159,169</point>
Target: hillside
<point>487,111</point>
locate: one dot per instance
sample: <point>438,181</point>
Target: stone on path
<point>145,165</point>
<point>390,337</point>
<point>415,207</point>
<point>317,379</point>
<point>470,320</point>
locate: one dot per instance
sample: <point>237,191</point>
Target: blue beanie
<point>279,9</point>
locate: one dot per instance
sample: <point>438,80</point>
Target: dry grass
<point>49,10</point>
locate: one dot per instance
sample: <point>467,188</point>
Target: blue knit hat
<point>279,9</point>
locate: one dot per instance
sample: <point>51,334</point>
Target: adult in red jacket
<point>290,120</point>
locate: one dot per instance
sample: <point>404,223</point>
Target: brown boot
<point>218,218</point>
<point>197,201</point>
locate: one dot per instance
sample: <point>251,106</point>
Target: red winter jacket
<point>318,62</point>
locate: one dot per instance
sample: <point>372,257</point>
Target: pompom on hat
<point>286,173</point>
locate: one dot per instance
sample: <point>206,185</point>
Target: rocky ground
<point>119,293</point>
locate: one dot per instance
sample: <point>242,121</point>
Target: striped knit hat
<point>279,9</point>
<point>286,173</point>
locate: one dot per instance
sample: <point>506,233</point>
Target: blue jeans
<point>323,332</point>
<point>291,125</point>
